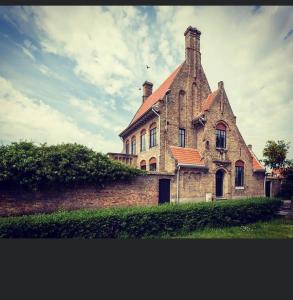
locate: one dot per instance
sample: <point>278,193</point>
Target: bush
<point>33,167</point>
<point>286,190</point>
<point>138,222</point>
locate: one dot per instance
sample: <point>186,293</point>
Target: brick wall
<point>141,191</point>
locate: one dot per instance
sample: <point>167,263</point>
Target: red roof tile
<point>186,155</point>
<point>206,104</point>
<point>155,96</point>
<point>256,165</point>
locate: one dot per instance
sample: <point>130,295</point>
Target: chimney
<point>249,147</point>
<point>220,84</point>
<point>147,90</point>
<point>192,49</point>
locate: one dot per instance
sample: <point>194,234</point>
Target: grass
<point>279,228</point>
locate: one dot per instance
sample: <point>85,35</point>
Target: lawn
<point>274,229</point>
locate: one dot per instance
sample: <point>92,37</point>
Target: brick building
<point>185,129</point>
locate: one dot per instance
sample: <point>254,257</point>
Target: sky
<point>74,73</point>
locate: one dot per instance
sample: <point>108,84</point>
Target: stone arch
<point>222,121</point>
<point>222,183</point>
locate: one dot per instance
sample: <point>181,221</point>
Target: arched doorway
<point>219,183</point>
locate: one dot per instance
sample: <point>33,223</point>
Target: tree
<point>275,154</point>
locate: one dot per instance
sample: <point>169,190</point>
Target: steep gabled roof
<point>206,104</point>
<point>158,94</point>
<point>186,155</point>
<point>256,165</point>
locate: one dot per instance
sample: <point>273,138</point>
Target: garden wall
<point>140,191</point>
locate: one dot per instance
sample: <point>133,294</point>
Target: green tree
<point>34,167</point>
<point>275,154</point>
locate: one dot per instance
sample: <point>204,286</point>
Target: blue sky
<point>72,74</point>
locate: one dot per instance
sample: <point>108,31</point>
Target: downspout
<point>159,139</point>
<point>166,124</point>
<point>178,171</point>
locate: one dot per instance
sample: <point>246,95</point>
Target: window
<point>153,135</point>
<point>143,165</point>
<point>153,164</point>
<point>221,136</point>
<point>127,147</point>
<point>239,173</point>
<point>181,137</point>
<point>133,145</point>
<point>142,140</point>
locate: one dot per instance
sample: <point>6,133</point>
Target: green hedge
<point>139,222</point>
<point>35,167</point>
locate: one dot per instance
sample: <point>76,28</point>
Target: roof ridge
<point>155,96</point>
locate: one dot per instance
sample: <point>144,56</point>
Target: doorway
<point>219,183</point>
<point>164,191</point>
<point>268,188</point>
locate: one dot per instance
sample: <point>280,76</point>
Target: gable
<point>158,94</point>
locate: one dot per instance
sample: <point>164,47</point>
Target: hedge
<point>139,222</point>
<point>35,167</point>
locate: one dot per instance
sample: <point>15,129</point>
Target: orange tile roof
<point>186,155</point>
<point>256,165</point>
<point>155,96</point>
<point>206,104</point>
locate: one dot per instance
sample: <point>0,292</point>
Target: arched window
<point>239,173</point>
<point>153,135</point>
<point>142,140</point>
<point>221,135</point>
<point>127,147</point>
<point>153,164</point>
<point>143,165</point>
<point>133,145</point>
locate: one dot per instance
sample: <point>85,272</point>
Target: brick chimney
<point>147,90</point>
<point>192,49</point>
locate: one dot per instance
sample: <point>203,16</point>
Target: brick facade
<point>187,101</point>
<point>142,191</point>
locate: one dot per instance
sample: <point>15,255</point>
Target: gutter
<point>193,166</point>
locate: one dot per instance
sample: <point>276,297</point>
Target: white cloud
<point>97,114</point>
<point>25,118</point>
<point>248,52</point>
<point>110,47</point>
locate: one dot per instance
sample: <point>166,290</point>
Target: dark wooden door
<point>219,183</point>
<point>268,189</point>
<point>164,191</point>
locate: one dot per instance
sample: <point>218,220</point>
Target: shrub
<point>33,167</point>
<point>138,222</point>
<point>286,190</point>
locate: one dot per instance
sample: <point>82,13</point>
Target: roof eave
<point>194,166</point>
<point>147,115</point>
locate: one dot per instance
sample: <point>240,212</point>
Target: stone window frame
<point>133,145</point>
<point>180,137</point>
<point>127,146</point>
<point>153,164</point>
<point>227,129</point>
<point>239,166</point>
<point>142,138</point>
<point>153,135</point>
<point>143,164</point>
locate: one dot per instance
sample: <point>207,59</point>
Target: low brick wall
<point>141,191</point>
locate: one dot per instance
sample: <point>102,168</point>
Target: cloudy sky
<point>72,74</point>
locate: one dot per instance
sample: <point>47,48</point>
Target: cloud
<point>248,52</point>
<point>97,114</point>
<point>249,48</point>
<point>25,118</point>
